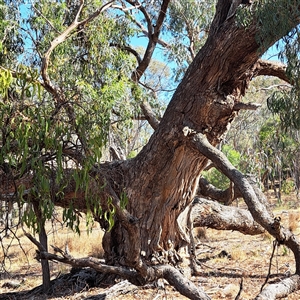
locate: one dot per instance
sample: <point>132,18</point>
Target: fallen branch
<point>180,282</point>
<point>93,263</point>
<point>280,289</point>
<point>118,289</point>
<point>172,275</point>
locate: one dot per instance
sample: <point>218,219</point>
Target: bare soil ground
<point>225,257</point>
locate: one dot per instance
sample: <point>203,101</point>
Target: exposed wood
<point>271,68</point>
<point>246,106</point>
<point>281,289</point>
<point>207,213</point>
<point>257,208</point>
<point>181,283</point>
<point>149,114</point>
<point>121,288</point>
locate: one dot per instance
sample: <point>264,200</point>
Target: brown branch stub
<point>226,197</point>
<point>34,241</point>
<point>149,115</point>
<point>246,106</point>
<point>270,68</point>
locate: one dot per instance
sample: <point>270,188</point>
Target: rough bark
<point>172,275</point>
<point>257,208</point>
<point>206,189</point>
<point>269,68</point>
<point>207,213</point>
<point>280,289</point>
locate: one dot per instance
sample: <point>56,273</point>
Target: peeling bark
<point>172,275</point>
<point>206,213</point>
<point>257,208</point>
<point>280,289</point>
<point>271,68</point>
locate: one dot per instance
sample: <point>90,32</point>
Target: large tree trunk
<point>163,179</point>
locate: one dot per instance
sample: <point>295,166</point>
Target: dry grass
<point>248,257</point>
<point>294,218</point>
<point>20,263</point>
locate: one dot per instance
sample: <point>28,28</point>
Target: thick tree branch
<point>281,289</point>
<point>207,213</point>
<point>149,114</point>
<point>181,283</point>
<point>258,209</point>
<point>226,197</point>
<point>172,275</point>
<point>271,68</point>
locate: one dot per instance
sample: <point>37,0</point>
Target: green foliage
<point>5,81</point>
<point>42,135</point>
<point>11,42</point>
<point>189,23</point>
<point>244,16</point>
<point>217,178</point>
<point>109,214</point>
<point>276,20</point>
<point>123,200</point>
<point>287,187</point>
<point>286,103</point>
<point>273,19</point>
<point>71,218</point>
<point>279,149</point>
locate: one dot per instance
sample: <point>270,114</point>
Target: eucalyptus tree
<point>78,77</point>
